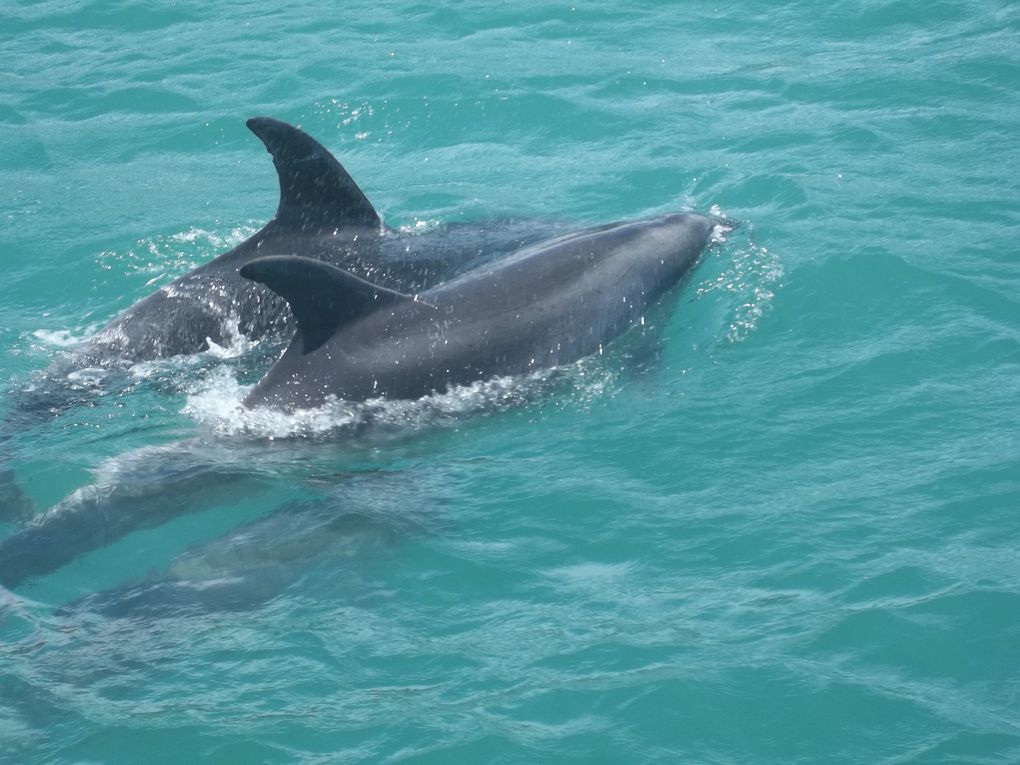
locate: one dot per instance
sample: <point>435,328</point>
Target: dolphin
<point>323,215</point>
<point>548,304</point>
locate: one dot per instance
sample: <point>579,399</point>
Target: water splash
<point>64,338</point>
<point>421,226</point>
<point>751,276</point>
<point>217,402</point>
<point>167,256</point>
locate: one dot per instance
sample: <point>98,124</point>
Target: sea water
<point>779,523</point>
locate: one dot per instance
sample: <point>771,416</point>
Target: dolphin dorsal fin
<point>316,193</point>
<point>321,296</point>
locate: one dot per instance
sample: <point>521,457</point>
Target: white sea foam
<point>420,226</point>
<point>218,403</point>
<point>166,256</point>
<point>63,338</point>
<point>237,344</point>
<point>752,275</point>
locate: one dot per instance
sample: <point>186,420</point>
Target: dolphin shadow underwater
<point>323,215</point>
<point>547,305</point>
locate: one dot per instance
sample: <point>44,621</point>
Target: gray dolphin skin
<point>546,305</point>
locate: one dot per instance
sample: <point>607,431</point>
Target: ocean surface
<point>778,524</point>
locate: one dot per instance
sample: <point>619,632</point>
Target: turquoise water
<point>778,526</point>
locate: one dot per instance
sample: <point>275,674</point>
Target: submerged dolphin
<point>546,305</point>
<point>138,490</point>
<point>361,517</point>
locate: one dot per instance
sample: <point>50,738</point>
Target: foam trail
<point>217,402</point>
<point>751,276</point>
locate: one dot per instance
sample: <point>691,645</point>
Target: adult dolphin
<point>549,304</point>
<point>322,214</point>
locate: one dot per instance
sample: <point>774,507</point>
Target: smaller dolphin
<point>548,304</point>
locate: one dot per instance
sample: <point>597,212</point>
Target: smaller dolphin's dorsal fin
<point>316,193</point>
<point>321,296</point>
